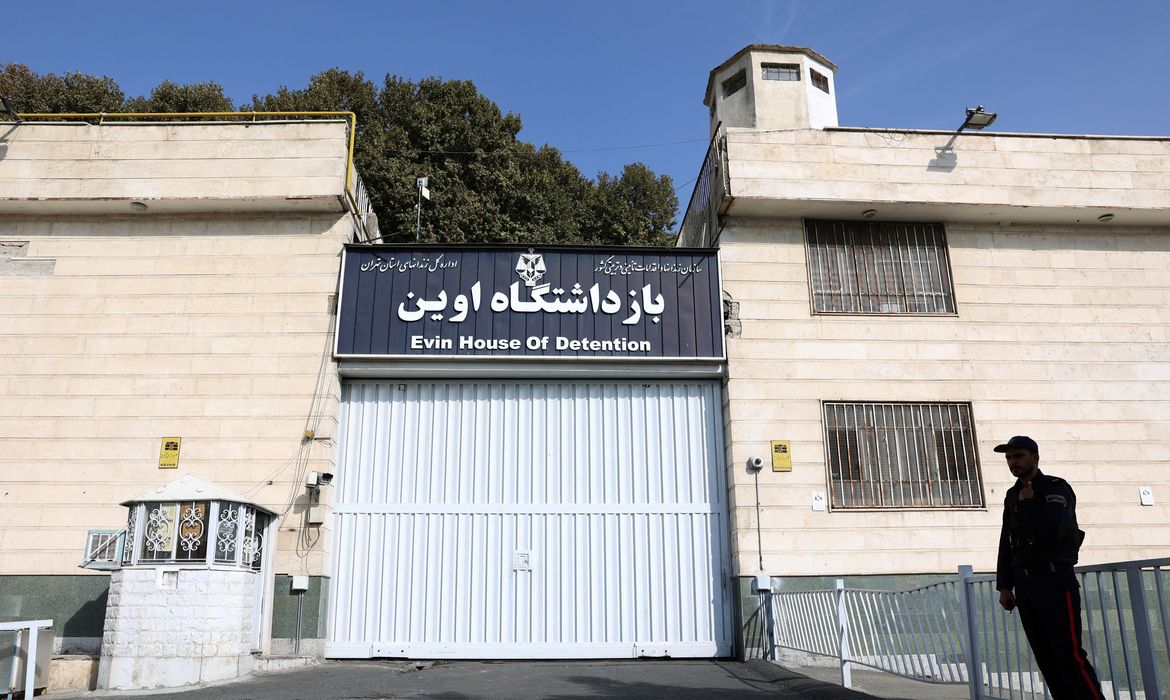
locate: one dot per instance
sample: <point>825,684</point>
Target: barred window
<point>780,71</point>
<point>220,532</point>
<point>819,80</point>
<point>902,455</point>
<point>863,267</point>
<point>735,83</point>
<point>103,549</point>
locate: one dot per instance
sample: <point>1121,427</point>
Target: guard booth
<point>530,455</point>
<point>194,546</point>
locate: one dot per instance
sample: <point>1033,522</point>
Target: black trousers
<point>1050,612</point>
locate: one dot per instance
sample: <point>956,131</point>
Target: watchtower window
<point>780,71</point>
<point>735,83</point>
<point>818,80</point>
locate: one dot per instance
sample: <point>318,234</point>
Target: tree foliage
<point>57,94</point>
<point>169,97</point>
<point>486,185</point>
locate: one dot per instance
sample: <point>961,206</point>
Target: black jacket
<point>1039,531</point>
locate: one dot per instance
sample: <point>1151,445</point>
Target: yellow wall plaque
<point>781,455</point>
<point>168,455</point>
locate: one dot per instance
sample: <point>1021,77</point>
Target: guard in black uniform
<point>1037,551</point>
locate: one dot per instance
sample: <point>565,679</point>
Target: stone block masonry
<point>171,627</point>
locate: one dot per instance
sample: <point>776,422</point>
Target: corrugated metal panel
<point>614,491</point>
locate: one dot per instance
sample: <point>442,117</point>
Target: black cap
<point>1019,442</point>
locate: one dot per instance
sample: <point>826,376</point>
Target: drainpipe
<point>300,617</point>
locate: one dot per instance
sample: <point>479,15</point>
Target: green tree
<point>636,208</point>
<point>486,185</point>
<point>56,94</point>
<point>170,97</point>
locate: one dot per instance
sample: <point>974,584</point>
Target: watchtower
<point>767,86</point>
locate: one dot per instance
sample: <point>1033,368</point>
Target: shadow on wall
<point>944,160</point>
<point>4,140</point>
<point>81,623</point>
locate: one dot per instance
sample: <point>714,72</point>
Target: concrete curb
<point>282,662</point>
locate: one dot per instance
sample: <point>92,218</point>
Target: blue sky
<point>591,78</point>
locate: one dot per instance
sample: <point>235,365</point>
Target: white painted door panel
<point>530,520</point>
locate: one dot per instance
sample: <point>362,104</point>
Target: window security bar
<point>858,267</point>
<point>901,455</point>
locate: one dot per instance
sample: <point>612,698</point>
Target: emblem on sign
<point>531,268</point>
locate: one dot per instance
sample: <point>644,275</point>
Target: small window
<point>103,549</point>
<point>780,71</point>
<point>860,267</point>
<point>820,81</point>
<point>902,455</point>
<point>735,83</point>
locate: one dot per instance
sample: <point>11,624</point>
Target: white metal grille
<point>103,549</point>
<point>902,455</point>
<point>879,268</point>
<point>527,520</point>
<point>219,532</point>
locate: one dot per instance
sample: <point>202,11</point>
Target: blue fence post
<point>843,635</point>
<point>970,634</point>
<point>1141,630</point>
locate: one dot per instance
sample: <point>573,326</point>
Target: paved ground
<point>670,679</point>
<point>884,685</point>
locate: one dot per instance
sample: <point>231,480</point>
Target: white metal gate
<point>530,520</point>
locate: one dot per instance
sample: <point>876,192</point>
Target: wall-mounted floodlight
<point>978,119</point>
<point>6,107</point>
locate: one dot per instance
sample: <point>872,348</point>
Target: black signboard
<point>615,303</point>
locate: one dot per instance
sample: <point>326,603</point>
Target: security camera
<point>755,464</point>
<point>316,480</point>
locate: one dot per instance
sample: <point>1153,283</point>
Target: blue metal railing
<point>955,632</point>
<point>362,209</point>
<point>701,216</point>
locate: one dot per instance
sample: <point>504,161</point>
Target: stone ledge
<point>77,671</point>
<point>270,663</point>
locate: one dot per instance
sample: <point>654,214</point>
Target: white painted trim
<point>501,368</point>
<point>533,509</point>
<point>527,651</point>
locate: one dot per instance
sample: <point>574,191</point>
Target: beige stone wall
<point>1062,333</point>
<point>78,167</point>
<point>115,333</point>
<point>987,170</point>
